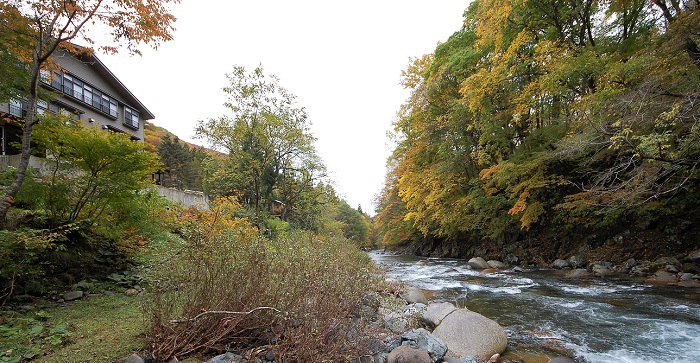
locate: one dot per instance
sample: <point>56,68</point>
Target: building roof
<point>113,81</point>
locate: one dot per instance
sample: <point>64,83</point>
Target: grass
<point>99,329</point>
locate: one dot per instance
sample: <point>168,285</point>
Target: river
<point>594,320</point>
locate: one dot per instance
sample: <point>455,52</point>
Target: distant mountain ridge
<point>153,137</point>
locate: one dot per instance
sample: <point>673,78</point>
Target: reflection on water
<point>598,321</point>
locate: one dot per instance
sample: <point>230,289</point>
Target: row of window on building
<point>89,95</point>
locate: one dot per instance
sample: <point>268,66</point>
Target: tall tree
<point>548,114</point>
<point>267,138</point>
<point>46,25</point>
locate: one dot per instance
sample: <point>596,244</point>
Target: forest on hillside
<point>552,127</point>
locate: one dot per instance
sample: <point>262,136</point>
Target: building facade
<point>86,90</point>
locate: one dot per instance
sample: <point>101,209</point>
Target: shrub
<point>229,287</point>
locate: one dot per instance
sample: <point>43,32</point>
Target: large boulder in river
<point>478,263</point>
<point>437,311</point>
<point>469,334</point>
<point>579,273</point>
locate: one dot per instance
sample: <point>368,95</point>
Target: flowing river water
<point>545,315</point>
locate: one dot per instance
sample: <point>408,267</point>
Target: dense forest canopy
<point>548,117</point>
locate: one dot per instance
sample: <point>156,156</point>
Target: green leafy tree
<point>547,116</point>
<point>39,27</point>
<point>182,164</point>
<point>90,171</point>
<point>266,137</point>
<point>355,226</point>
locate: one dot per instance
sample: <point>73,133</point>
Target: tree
<point>92,171</point>
<point>267,139</point>
<point>355,227</point>
<point>182,163</point>
<point>45,25</point>
<point>547,116</point>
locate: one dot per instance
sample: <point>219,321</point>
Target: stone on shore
<point>578,261</point>
<point>134,358</point>
<point>73,295</point>
<point>226,358</point>
<point>469,334</point>
<point>415,295</point>
<point>694,256</point>
<point>478,263</point>
<point>408,354</point>
<point>559,263</point>
<point>423,339</point>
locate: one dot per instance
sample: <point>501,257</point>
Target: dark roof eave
<point>116,83</point>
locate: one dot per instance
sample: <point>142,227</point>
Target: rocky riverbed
<point>588,311</point>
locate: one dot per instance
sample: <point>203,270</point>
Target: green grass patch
<point>96,329</point>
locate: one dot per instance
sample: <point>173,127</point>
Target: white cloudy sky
<point>342,60</point>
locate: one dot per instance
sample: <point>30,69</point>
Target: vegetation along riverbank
<point>542,133</point>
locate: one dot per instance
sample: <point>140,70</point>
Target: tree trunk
<point>29,121</point>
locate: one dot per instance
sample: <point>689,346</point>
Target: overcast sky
<point>342,60</point>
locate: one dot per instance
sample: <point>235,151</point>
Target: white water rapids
<point>595,320</point>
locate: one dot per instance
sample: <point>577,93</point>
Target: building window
<point>41,107</point>
<point>77,89</point>
<point>17,108</point>
<point>131,117</point>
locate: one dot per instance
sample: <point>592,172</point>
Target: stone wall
<point>188,198</point>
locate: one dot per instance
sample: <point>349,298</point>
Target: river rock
<point>460,360</point>
<point>437,311</point>
<point>478,263</point>
<point>694,256</point>
<point>579,273</point>
<point>469,334</point>
<point>416,309</point>
<point>73,295</point>
<point>561,360</point>
<point>578,261</point>
<point>134,358</point>
<point>496,264</point>
<point>685,276</point>
<point>663,262</point>
<point>226,358</point>
<point>641,269</point>
<point>423,339</point>
<point>559,263</point>
<point>394,321</point>
<point>408,354</point>
<point>511,259</point>
<point>415,295</point>
<point>662,278</point>
<point>602,269</point>
<point>629,264</point>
